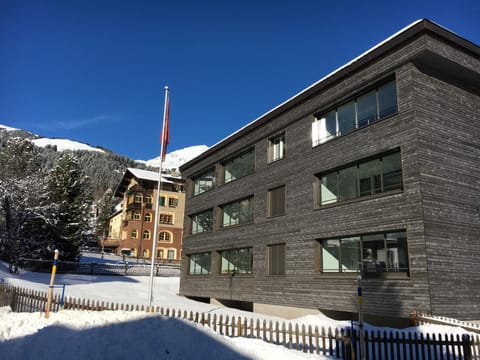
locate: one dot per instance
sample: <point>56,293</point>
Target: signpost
<point>360,318</point>
<point>52,282</point>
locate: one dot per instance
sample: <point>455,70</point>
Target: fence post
<point>467,350</point>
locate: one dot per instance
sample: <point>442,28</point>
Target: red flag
<point>165,137</point>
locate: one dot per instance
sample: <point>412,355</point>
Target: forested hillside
<point>104,168</point>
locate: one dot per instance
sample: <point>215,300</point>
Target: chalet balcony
<point>134,206</point>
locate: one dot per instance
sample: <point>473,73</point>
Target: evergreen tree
<point>70,192</point>
<point>24,223</point>
<point>105,208</point>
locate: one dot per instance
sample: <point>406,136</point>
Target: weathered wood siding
<point>427,189</point>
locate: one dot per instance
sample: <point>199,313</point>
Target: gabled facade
<point>138,190</point>
<point>373,170</point>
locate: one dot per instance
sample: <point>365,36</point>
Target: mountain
<point>104,167</point>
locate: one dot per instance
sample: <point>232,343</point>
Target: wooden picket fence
<point>336,343</point>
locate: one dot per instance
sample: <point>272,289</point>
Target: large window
<point>165,236</point>
<point>371,253</point>
<point>199,264</point>
<point>363,110</point>
<point>204,182</point>
<point>276,147</point>
<point>202,222</point>
<point>165,219</point>
<point>239,166</point>
<point>276,259</point>
<point>363,179</point>
<point>236,261</point>
<point>276,201</point>
<point>237,212</point>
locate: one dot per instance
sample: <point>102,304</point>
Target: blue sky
<point>95,71</point>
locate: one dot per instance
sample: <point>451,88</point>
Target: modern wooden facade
<point>138,191</point>
<point>374,170</point>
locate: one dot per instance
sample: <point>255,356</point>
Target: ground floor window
<point>199,264</point>
<point>367,253</point>
<point>236,261</point>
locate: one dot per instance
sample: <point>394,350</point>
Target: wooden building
<point>374,170</point>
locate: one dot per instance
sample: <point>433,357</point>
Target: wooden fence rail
<point>336,343</point>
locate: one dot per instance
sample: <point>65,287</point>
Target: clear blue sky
<point>95,71</point>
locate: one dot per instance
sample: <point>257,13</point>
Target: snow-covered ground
<point>133,335</point>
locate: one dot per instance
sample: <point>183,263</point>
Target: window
<point>138,198</point>
<point>276,201</point>
<point>166,219</point>
<point>366,178</point>
<point>363,110</point>
<point>202,222</point>
<point>172,202</point>
<point>147,217</point>
<point>236,261</point>
<point>276,147</point>
<point>146,235</point>
<point>370,253</point>
<point>171,254</point>
<point>199,264</point>
<point>164,236</point>
<point>237,212</point>
<point>160,253</point>
<point>136,215</point>
<point>134,234</point>
<point>276,259</point>
<point>239,166</point>
<point>148,199</point>
<point>204,182</point>
<point>162,200</point>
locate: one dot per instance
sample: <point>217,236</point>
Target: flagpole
<point>163,149</point>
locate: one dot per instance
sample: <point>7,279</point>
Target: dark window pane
<point>204,181</point>
<point>346,118</point>
<point>387,99</point>
<point>367,109</point>
<point>397,255</point>
<point>202,222</point>
<point>347,183</point>
<point>369,174</point>
<point>350,254</point>
<point>373,253</point>
<point>392,172</point>
<point>240,166</point>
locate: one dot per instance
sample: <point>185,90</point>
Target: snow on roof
<point>147,175</point>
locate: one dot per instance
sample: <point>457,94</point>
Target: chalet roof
<point>139,174</point>
<point>402,36</point>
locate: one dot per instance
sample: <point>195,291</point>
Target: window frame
<point>194,229</point>
<point>322,130</point>
<point>234,163</point>
<point>274,200</point>
<point>367,264</point>
<point>206,256</point>
<point>272,146</point>
<point>275,266</point>
<point>235,207</point>
<point>235,254</point>
<point>202,179</point>
<point>334,190</point>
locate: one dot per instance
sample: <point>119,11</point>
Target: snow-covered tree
<point>105,208</point>
<point>24,224</point>
<point>70,193</point>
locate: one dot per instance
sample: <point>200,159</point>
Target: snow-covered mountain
<point>173,160</point>
<point>177,158</point>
